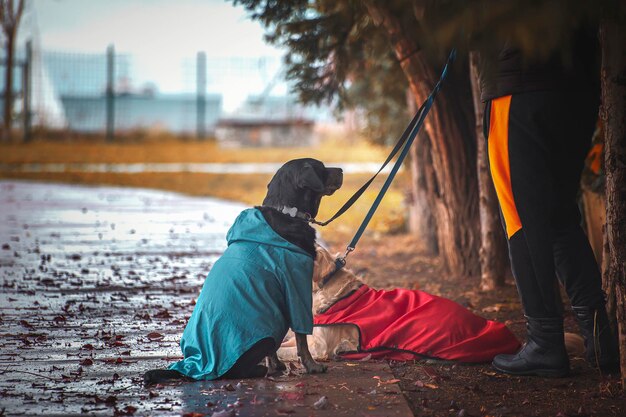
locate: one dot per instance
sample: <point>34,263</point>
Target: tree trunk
<point>613,39</point>
<point>421,221</point>
<point>449,125</point>
<point>493,254</point>
<point>8,86</point>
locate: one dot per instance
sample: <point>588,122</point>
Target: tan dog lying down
<point>327,342</point>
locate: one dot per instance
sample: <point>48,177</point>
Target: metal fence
<point>20,88</point>
<point>96,93</point>
<point>107,93</point>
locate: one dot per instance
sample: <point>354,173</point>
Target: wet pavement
<point>96,286</point>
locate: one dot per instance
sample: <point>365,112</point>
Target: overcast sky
<point>161,34</point>
<point>150,26</point>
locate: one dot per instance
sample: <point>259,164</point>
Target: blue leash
<point>404,142</point>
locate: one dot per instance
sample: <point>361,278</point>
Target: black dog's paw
<point>315,368</point>
<point>275,365</point>
<point>159,376</point>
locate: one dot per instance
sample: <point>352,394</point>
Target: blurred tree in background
<point>10,16</point>
<point>334,48</point>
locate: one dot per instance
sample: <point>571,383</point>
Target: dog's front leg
<point>274,365</point>
<point>307,360</point>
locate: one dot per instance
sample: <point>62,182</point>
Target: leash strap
<point>360,191</point>
<point>420,116</point>
<point>408,135</point>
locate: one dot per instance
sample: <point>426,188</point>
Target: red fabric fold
<point>402,323</point>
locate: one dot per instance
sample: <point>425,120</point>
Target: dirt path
<point>97,285</point>
<point>435,388</point>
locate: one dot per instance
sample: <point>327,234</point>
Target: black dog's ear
<point>307,178</point>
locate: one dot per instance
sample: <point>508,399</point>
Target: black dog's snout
<point>334,180</point>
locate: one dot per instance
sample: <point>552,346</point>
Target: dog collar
<point>292,212</point>
<point>339,264</point>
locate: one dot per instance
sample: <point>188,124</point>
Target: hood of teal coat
<point>250,226</point>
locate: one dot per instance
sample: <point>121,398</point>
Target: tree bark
<point>493,254</point>
<point>449,125</point>
<point>613,112</point>
<point>421,221</point>
<point>8,86</point>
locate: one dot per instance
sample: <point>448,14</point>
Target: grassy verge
<point>247,188</point>
<point>175,150</point>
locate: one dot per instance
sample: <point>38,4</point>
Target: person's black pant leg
<point>576,266</point>
<point>537,143</point>
<point>520,166</point>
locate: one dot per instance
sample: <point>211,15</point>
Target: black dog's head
<point>302,183</point>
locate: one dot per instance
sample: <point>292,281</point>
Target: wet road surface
<point>96,286</point>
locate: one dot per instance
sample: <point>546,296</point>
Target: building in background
<point>163,89</point>
<point>265,120</point>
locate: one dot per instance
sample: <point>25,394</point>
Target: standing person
<point>540,116</point>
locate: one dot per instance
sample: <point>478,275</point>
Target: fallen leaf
<point>322,403</point>
<point>154,336</point>
<point>26,324</point>
<point>129,410</point>
<point>86,362</point>
<point>390,381</point>
<point>431,373</point>
<point>163,314</point>
<point>292,396</point>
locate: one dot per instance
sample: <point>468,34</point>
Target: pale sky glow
<point>150,27</point>
<point>162,35</point>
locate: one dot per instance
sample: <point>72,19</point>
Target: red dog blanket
<point>400,324</point>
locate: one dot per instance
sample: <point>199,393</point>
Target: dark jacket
<point>573,67</point>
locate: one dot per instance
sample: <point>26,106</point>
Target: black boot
<point>543,354</point>
<point>601,346</point>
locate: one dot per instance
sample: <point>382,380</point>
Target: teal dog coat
<point>260,287</point>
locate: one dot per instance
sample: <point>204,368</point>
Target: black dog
<point>293,197</point>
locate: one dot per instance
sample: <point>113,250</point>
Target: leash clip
<point>312,220</point>
<point>341,260</point>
